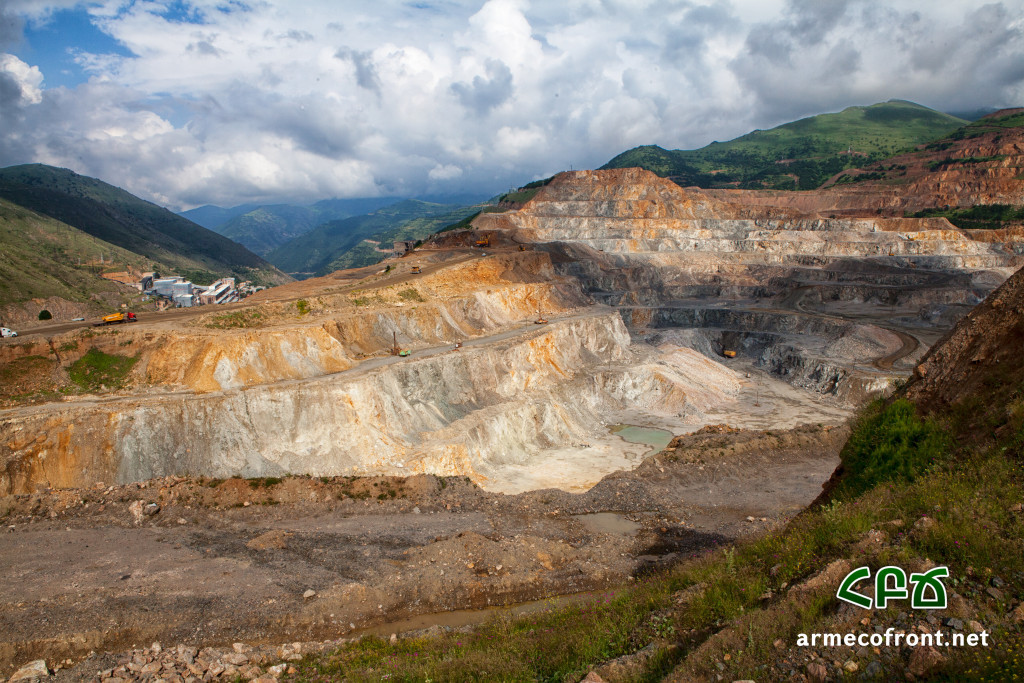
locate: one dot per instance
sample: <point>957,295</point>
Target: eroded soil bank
<point>208,562</point>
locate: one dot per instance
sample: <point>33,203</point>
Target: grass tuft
<point>890,442</point>
<point>96,370</point>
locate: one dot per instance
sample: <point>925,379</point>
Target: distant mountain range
<point>210,216</point>
<point>800,155</point>
<point>263,228</point>
<point>307,238</point>
<point>362,240</point>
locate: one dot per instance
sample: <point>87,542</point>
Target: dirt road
<point>349,279</point>
<point>909,345</point>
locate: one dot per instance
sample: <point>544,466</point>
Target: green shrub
<point>520,196</point>
<point>265,482</point>
<point>97,369</point>
<point>890,442</point>
<point>200,277</point>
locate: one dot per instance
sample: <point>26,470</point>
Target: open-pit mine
<point>613,375</point>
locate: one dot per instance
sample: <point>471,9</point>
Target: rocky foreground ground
<point>223,572</point>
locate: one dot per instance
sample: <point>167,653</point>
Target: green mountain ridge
<point>122,219</point>
<point>364,253</point>
<point>210,216</point>
<point>340,244</point>
<point>264,228</point>
<point>800,155</point>
<point>41,258</point>
<point>267,227</point>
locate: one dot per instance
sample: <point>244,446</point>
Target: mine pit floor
<point>231,561</point>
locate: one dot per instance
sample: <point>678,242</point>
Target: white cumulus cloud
<point>27,79</point>
<point>230,102</point>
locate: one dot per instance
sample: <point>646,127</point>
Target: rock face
<point>633,212</point>
<point>212,361</point>
<point>471,412</point>
<point>772,282</point>
<point>636,239</point>
<point>983,350</point>
<point>33,671</point>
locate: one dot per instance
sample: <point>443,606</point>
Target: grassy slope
<point>115,216</point>
<point>324,248</point>
<point>813,148</point>
<point>267,227</point>
<point>210,216</point>
<point>39,258</point>
<point>732,613</point>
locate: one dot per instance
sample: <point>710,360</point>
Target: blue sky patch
<point>52,46</point>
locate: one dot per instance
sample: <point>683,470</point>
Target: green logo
<point>891,584</point>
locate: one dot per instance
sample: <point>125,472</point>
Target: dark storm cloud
<point>11,26</point>
<point>366,72</point>
<point>308,123</point>
<point>313,126</point>
<point>204,47</point>
<point>811,20</point>
<point>826,55</point>
<point>12,117</point>
<point>806,23</point>
<point>684,45</point>
<point>484,94</point>
<point>982,35</point>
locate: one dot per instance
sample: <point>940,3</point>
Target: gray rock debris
<point>263,663</point>
<point>33,671</point>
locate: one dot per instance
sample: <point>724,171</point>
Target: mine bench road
<point>150,318</point>
<point>908,342</point>
<point>523,329</point>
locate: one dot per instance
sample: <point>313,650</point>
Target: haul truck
<point>116,318</point>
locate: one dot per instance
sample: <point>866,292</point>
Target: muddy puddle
<point>608,523</point>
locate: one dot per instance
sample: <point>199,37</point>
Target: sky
<point>192,102</point>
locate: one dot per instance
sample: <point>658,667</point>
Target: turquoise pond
<point>657,439</point>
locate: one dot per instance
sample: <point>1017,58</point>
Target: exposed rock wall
<point>630,211</point>
<point>202,359</point>
<point>981,356</point>
<point>981,167</point>
<point>453,413</point>
<point>669,256</point>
